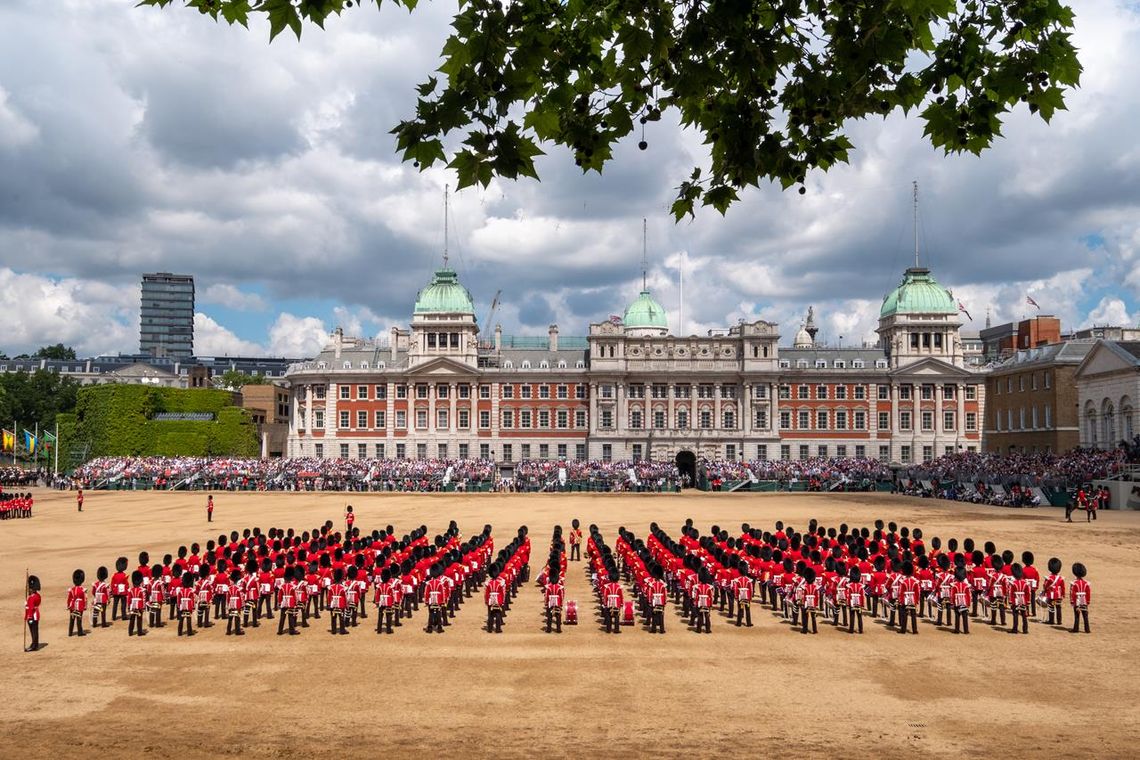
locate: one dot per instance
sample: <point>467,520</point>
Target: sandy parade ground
<point>767,690</point>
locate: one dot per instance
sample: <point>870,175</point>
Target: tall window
<point>362,421</point>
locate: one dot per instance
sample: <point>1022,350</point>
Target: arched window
<point>1090,424</point>
<point>1127,423</point>
<point>1108,424</point>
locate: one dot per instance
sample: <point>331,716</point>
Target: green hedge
<point>117,420</point>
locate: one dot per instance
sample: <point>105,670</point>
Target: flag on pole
<point>1029,300</point>
<point>7,441</point>
<point>962,309</point>
<point>30,442</point>
<point>47,443</point>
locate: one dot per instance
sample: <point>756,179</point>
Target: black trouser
<point>974,607</point>
<point>155,611</point>
<point>384,617</point>
<point>249,609</point>
<point>744,612</point>
<point>135,624</point>
<point>656,620</point>
<point>961,620</point>
<point>495,619</point>
<point>337,622</point>
<point>907,613</point>
<point>209,516</point>
<point>219,600</point>
<point>805,614</point>
<point>995,609</point>
<point>286,616</point>
<point>204,616</point>
<point>1055,613</point>
<point>75,621</point>
<point>613,620</point>
<point>361,609</point>
<point>118,607</point>
<point>554,615</point>
<point>856,613</point>
<point>575,552</point>
<point>841,608</point>
<point>314,601</point>
<point>173,611</point>
<point>34,630</point>
<point>1078,612</point>
<point>265,601</point>
<point>435,619</point>
<point>233,623</point>
<point>187,619</point>
<point>99,616</point>
<point>1020,619</point>
<point>704,620</point>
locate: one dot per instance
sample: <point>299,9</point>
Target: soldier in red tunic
<point>909,598</point>
<point>349,519</point>
<point>808,600</point>
<point>385,601</point>
<point>235,602</point>
<point>1080,596</point>
<point>612,599</point>
<point>79,499</point>
<point>961,596</point>
<point>702,602</point>
<point>554,592</point>
<point>658,593</point>
<point>76,604</point>
<point>156,596</point>
<point>119,585</point>
<point>100,597</point>
<point>32,612</point>
<point>494,594</point>
<point>575,540</point>
<point>136,604</point>
<point>186,600</point>
<point>435,595</point>
<point>287,606</point>
<point>856,598</point>
<point>1054,592</point>
<point>1020,595</point>
<point>210,508</point>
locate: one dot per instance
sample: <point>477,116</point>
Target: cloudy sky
<point>136,140</point>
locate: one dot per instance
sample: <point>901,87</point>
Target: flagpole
<point>56,452</point>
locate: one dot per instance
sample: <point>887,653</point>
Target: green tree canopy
<point>234,380</point>
<point>769,84</point>
<point>58,351</point>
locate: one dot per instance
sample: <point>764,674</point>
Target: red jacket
<point>1080,593</point>
<point>32,607</point>
<point>76,599</point>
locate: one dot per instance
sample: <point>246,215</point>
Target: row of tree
<point>58,351</point>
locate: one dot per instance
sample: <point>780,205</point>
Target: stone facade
<point>1031,398</point>
<point>630,391</point>
<point>1108,386</point>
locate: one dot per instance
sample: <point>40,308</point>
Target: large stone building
<point>1108,386</point>
<point>630,389</point>
<point>1031,400</point>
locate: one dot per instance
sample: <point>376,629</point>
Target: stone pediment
<point>931,367</point>
<point>442,367</point>
<point>1105,358</point>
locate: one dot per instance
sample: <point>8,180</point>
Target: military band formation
<point>838,576</point>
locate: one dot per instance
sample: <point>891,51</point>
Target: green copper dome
<point>444,295</point>
<point>918,293</point>
<point>645,312</point>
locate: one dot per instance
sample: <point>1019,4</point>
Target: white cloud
<point>15,129</point>
<point>1110,311</point>
<point>211,339</point>
<point>297,337</point>
<point>224,294</point>
<point>92,317</point>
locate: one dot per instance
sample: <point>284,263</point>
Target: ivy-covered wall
<point>116,420</point>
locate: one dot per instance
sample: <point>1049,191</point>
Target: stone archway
<point>687,466</point>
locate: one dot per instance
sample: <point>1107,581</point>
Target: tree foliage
<point>35,398</point>
<point>235,380</point>
<point>770,85</point>
<point>59,352</point>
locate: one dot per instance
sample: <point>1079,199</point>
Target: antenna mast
<point>914,184</point>
<point>644,256</point>
<point>445,213</point>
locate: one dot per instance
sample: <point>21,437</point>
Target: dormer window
<point>544,364</point>
<point>526,364</point>
<point>561,364</point>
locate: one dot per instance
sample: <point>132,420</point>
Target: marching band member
<point>186,599</point>
<point>961,597</point>
<point>235,604</point>
<point>1080,595</point>
<point>100,596</point>
<point>494,594</point>
<point>32,612</point>
<point>76,604</point>
<point>855,599</point>
<point>1053,592</point>
<point>1020,595</point>
<point>136,603</point>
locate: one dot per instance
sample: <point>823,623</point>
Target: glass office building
<point>167,323</point>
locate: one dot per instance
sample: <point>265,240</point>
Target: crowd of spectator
<point>1014,479</point>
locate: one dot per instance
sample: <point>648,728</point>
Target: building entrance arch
<point>687,467</point>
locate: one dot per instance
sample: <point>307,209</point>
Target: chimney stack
<point>553,333</point>
<point>498,338</point>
